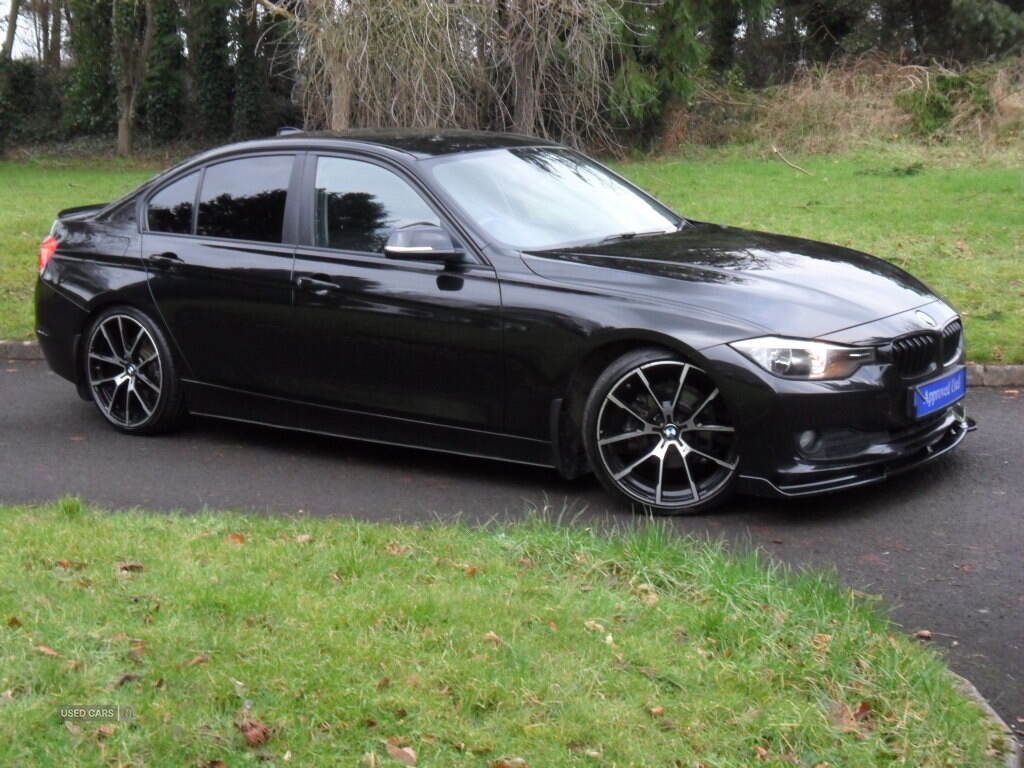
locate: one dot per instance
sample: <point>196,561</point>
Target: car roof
<point>418,143</point>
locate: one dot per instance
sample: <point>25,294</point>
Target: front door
<point>220,270</point>
<point>407,338</point>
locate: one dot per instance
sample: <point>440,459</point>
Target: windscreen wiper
<point>632,235</point>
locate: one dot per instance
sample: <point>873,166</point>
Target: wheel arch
<point>97,308</point>
<point>566,417</point>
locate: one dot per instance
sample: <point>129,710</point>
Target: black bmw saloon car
<point>498,296</point>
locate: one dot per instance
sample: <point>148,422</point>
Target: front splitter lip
<point>861,475</point>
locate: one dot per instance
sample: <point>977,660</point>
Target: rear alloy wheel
<point>658,434</point>
<point>130,373</point>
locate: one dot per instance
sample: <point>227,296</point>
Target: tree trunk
<point>132,54</point>
<point>12,27</point>
<point>41,19</point>
<point>52,59</point>
<point>124,130</point>
<point>341,96</point>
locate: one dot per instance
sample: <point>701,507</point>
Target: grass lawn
<point>958,224</point>
<point>547,643</point>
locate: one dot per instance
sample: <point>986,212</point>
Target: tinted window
<point>359,204</point>
<point>244,199</point>
<point>170,209</point>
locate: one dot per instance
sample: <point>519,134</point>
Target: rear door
<point>410,338</point>
<point>218,253</point>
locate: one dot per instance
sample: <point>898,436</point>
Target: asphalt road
<point>944,545</point>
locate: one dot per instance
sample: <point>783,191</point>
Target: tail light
<point>46,251</point>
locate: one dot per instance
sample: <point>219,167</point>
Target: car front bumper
<point>881,460</point>
<point>856,431</point>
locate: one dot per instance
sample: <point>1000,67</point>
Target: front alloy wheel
<point>659,434</point>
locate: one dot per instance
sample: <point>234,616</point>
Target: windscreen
<point>536,198</point>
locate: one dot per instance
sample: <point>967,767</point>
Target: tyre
<point>130,372</point>
<point>658,434</point>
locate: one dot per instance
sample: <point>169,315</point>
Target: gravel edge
<point>1014,758</point>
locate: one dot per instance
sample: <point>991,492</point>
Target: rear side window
<point>244,199</point>
<point>170,209</point>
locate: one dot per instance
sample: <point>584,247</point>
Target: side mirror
<point>422,242</point>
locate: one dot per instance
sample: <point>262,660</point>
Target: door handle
<point>165,259</point>
<point>318,285</point>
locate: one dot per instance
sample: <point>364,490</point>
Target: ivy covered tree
<point>133,26</point>
<point>162,101</point>
<point>90,95</point>
<point>249,74</point>
<point>209,44</point>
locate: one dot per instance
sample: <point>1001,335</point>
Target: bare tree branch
<point>534,66</point>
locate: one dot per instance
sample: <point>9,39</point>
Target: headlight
<point>803,359</point>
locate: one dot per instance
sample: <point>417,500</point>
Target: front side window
<point>170,209</point>
<point>358,205</point>
<point>244,199</point>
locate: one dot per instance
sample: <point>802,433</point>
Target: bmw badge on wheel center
<point>498,296</point>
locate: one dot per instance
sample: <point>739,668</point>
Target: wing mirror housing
<point>423,242</point>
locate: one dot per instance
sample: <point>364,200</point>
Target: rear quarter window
<point>170,209</point>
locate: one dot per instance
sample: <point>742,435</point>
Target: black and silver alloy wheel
<point>662,437</point>
<point>130,375</point>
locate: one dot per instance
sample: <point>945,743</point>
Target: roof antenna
<point>287,129</point>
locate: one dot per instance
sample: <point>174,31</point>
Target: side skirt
<point>234,405</point>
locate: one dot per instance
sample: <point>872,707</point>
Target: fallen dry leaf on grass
<point>394,548</point>
<point>218,763</point>
<point>593,626</point>
<point>200,659</point>
<point>370,760</point>
<point>235,538</point>
<point>490,637</point>
<point>853,720</point>
<point>255,732</point>
<point>647,594</point>
<point>923,634</point>
<point>104,731</point>
<point>137,651</point>
<point>657,711</point>
<point>126,567</point>
<point>13,622</point>
<point>7,695</point>
<point>46,650</point>
<point>404,755</point>
<point>509,762</point>
<point>303,538</point>
<point>761,752</point>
